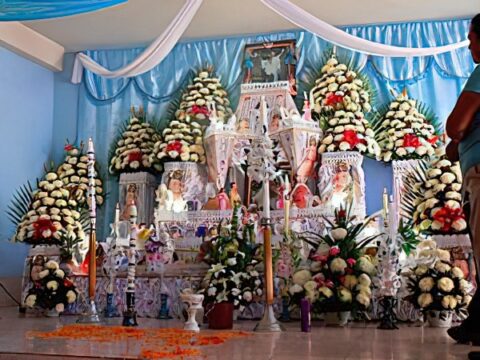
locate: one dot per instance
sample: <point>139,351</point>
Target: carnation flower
<point>445,284</point>
<point>334,251</point>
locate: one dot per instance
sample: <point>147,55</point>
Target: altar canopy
<point>21,10</point>
<point>105,103</point>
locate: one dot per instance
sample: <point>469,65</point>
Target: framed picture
<point>271,62</point>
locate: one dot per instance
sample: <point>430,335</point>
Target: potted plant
<point>232,282</point>
<point>437,288</point>
<point>52,290</point>
<point>337,277</point>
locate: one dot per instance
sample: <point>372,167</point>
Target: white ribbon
<point>150,57</point>
<point>307,21</point>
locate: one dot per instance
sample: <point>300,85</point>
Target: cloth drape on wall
<point>436,80</point>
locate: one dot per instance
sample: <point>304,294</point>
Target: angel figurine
<point>164,198</point>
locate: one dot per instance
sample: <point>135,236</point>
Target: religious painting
<point>342,182</point>
<point>271,62</point>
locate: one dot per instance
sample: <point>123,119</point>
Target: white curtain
<point>151,56</point>
<point>307,21</point>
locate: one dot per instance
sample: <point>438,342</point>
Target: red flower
<point>351,262</point>
<point>433,140</point>
<point>334,251</point>
<point>175,146</point>
<point>42,225</point>
<point>447,216</point>
<point>342,214</point>
<point>67,283</point>
<point>341,279</point>
<point>319,258</point>
<point>411,140</point>
<point>333,99</point>
<point>329,284</point>
<point>199,110</point>
<point>351,137</point>
<point>68,147</point>
<point>135,156</point>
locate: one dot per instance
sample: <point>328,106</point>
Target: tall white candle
<point>117,213</point>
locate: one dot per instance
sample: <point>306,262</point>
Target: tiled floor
<point>355,342</point>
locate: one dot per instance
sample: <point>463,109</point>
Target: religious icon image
<point>309,158</point>
<point>131,199</point>
<point>271,62</point>
<point>343,187</point>
<point>176,185</point>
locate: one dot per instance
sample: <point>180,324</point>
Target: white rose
<point>443,255</point>
<point>310,286</point>
<point>295,288</point>
<point>60,273</point>
<point>366,266</point>
<point>426,284</point>
<point>247,296</point>
<point>457,273</point>
<point>30,300</point>
<point>424,300</point>
<point>316,266</point>
<point>339,233</point>
<point>401,152</point>
<point>421,150</point>
<point>364,280</point>
<point>421,270</point>
<point>52,285</point>
<point>447,178</point>
<point>449,302</point>
<point>465,286</point>
<point>466,299</point>
<point>51,176</point>
<point>442,267</point>
<point>338,265</point>
<point>344,146</point>
<point>387,156</point>
<point>328,140</point>
<point>344,295</point>
<point>445,284</point>
<point>59,308</point>
<point>235,291</point>
<point>232,261</point>
<point>212,291</point>
<point>459,225</point>
<point>71,296</point>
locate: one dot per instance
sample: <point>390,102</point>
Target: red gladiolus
<point>135,156</point>
<point>447,216</point>
<point>175,146</point>
<point>342,214</point>
<point>199,110</point>
<point>333,99</point>
<point>42,225</point>
<point>411,140</point>
<point>68,147</point>
<point>334,251</point>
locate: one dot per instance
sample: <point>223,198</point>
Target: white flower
<point>310,286</point>
<point>71,296</point>
<point>51,176</point>
<point>212,291</point>
<point>59,308</point>
<point>449,302</point>
<point>338,265</point>
<point>30,300</point>
<point>445,284</point>
<point>60,273</point>
<point>350,281</point>
<point>328,140</point>
<point>231,261</point>
<point>426,284</point>
<point>301,277</point>
<point>325,291</point>
<point>339,233</point>
<point>259,292</point>
<point>421,270</point>
<point>344,295</point>
<point>459,224</point>
<point>365,265</point>
<point>52,285</point>
<point>401,152</point>
<point>443,255</point>
<point>442,267</point>
<point>421,150</point>
<point>364,280</point>
<point>51,265</point>
<point>316,266</point>
<point>465,286</point>
<point>344,146</point>
<point>424,300</point>
<point>363,299</point>
<point>294,289</point>
<point>457,273</point>
<point>466,299</point>
<point>236,291</point>
<point>447,178</point>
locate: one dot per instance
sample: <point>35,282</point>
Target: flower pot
<point>339,318</point>
<point>221,316</point>
<point>441,319</point>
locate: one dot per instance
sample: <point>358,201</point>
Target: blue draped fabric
<point>435,80</point>
<point>21,10</point>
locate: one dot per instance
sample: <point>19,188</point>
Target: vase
<point>51,313</point>
<point>440,319</point>
<point>337,318</point>
<point>220,316</point>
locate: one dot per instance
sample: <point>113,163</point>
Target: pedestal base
<point>91,316</point>
<point>110,310</point>
<point>268,323</point>
<point>130,318</point>
<point>388,317</point>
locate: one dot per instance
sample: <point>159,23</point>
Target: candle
<point>286,196</point>
<point>305,319</point>
<point>385,203</point>
<point>117,213</point>
<point>266,199</point>
<point>133,212</point>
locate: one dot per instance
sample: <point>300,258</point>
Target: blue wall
<point>26,128</point>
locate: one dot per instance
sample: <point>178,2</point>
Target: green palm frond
<point>20,203</point>
<point>412,192</point>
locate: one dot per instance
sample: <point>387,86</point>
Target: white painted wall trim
<point>32,45</point>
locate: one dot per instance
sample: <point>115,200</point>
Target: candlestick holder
<point>194,302</point>
<point>388,317</point>
<point>163,314</point>
<point>110,310</point>
<point>285,316</point>
<point>91,316</point>
<point>130,315</point>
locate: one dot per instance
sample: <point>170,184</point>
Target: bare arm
<point>459,121</point>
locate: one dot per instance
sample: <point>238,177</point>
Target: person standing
<point>463,128</point>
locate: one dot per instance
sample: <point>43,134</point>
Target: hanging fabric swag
<point>149,58</point>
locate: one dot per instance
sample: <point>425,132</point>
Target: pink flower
<point>329,284</point>
<point>351,262</point>
<point>319,258</point>
<point>334,251</point>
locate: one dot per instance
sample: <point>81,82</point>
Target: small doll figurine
<point>37,267</point>
<point>235,199</point>
<point>301,195</point>
<point>307,110</point>
<point>223,200</point>
<point>130,200</point>
<point>460,261</point>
